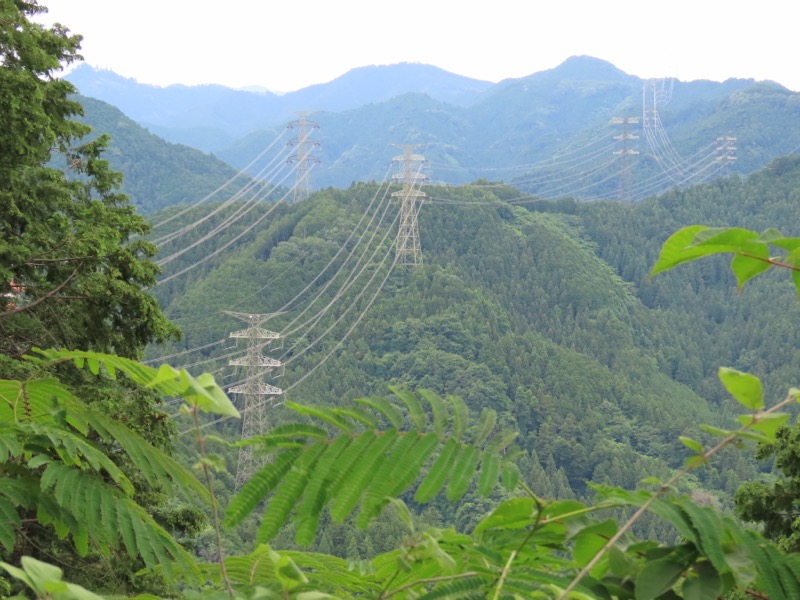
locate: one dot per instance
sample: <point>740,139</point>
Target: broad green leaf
<point>732,238</point>
<point>790,244</point>
<point>18,573</point>
<point>766,424</point>
<point>658,576</point>
<point>753,262</point>
<point>674,251</point>
<point>756,437</point>
<point>204,393</point>
<point>288,573</point>
<point>745,388</point>
<point>796,281</point>
<point>591,540</point>
<point>706,584</point>
<point>621,565</point>
<point>515,513</point>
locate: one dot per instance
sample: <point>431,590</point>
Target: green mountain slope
<point>513,309</point>
<point>157,173</point>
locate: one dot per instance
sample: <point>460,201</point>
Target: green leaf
<point>658,576</point>
<point>510,476</point>
<point>258,486</point>
<point>18,573</point>
<point>691,444</point>
<point>404,513</point>
<point>674,251</point>
<point>790,244</point>
<point>324,414</point>
<point>463,471</point>
<point>732,238</point>
<point>386,408</point>
<point>438,408</point>
<point>437,475</point>
<point>204,393</point>
<point>796,281</point>
<point>768,424</point>
<point>746,267</point>
<point>288,573</point>
<point>460,416</point>
<point>515,513</point>
<point>706,584</point>
<point>621,565</point>
<point>490,471</point>
<point>716,430</point>
<point>406,461</point>
<point>418,416</point>
<point>486,426</point>
<point>360,475</point>
<point>591,540</point>
<point>745,388</point>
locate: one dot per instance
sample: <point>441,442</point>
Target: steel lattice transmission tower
<point>625,152</point>
<point>409,252</point>
<point>255,391</point>
<point>727,152</point>
<point>302,157</point>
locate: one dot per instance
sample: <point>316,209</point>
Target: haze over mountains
<point>474,129</point>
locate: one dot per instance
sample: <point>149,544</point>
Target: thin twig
<point>663,489</point>
<point>771,261</point>
<point>201,444</point>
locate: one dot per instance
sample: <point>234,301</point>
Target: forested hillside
<point>157,173</point>
<point>540,310</point>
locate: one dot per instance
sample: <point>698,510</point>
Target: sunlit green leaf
<point>743,387</point>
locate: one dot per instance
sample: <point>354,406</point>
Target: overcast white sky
<point>284,45</point>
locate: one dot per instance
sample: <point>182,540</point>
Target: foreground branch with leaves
<point>361,459</point>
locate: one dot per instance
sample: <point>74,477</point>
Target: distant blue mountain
<point>470,129</point>
<point>210,117</point>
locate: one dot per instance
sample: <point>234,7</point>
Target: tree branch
<point>38,301</point>
<point>663,489</point>
<point>772,261</point>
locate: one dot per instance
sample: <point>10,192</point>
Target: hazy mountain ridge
<point>469,129</point>
<point>175,110</point>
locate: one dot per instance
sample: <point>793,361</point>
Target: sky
<point>285,45</point>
